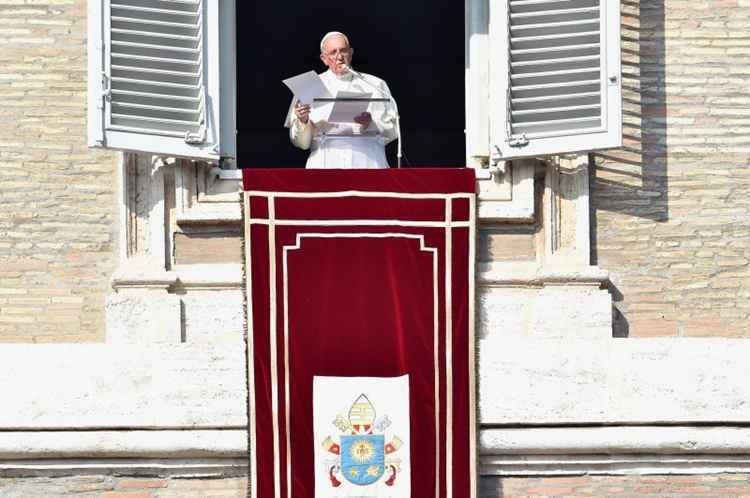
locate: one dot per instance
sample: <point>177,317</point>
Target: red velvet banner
<point>361,273</point>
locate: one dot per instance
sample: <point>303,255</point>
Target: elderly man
<point>345,145</point>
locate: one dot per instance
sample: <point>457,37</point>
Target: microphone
<point>390,97</point>
<point>349,69</point>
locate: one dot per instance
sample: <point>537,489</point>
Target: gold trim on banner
<point>472,349</point>
<point>285,280</point>
<point>274,346</point>
<point>338,223</point>
<point>250,344</point>
<point>448,348</point>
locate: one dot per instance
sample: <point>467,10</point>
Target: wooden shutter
<point>161,64</point>
<point>555,76</point>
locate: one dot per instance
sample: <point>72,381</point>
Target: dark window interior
<point>416,46</point>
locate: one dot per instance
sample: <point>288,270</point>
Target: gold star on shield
<point>373,470</point>
<point>354,472</point>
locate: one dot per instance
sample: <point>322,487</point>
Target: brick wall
<point>57,197</point>
<point>703,486</point>
<point>671,211</point>
<point>104,486</point>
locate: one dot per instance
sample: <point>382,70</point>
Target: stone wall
<point>670,211</point>
<point>96,486</point>
<point>669,221</point>
<point>57,201</point>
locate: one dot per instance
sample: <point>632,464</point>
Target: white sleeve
<point>384,115</point>
<point>300,134</point>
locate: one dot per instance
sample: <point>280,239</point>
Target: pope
<point>344,145</point>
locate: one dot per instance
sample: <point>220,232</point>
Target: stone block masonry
<point>58,197</point>
<point>655,486</point>
<point>671,210</point>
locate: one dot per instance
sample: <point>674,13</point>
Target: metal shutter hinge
<point>521,141</point>
<point>106,87</point>
<point>196,138</point>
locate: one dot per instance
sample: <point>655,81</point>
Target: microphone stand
<point>395,105</point>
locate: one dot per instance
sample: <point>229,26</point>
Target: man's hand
<point>302,112</point>
<point>364,119</point>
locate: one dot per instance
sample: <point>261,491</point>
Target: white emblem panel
<point>361,434</point>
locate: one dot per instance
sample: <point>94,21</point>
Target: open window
<point>419,52</point>
<point>554,76</point>
<point>543,76</point>
<point>161,76</point>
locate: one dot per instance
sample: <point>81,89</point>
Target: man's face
<point>337,54</point>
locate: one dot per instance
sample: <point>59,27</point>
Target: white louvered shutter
<point>555,76</point>
<point>161,76</point>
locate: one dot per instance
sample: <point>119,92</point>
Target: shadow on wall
<point>620,325</point>
<point>633,180</point>
<point>490,487</point>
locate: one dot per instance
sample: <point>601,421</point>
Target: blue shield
<point>362,458</point>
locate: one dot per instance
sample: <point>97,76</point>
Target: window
<point>161,76</point>
<point>543,77</point>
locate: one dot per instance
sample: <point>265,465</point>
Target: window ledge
<point>533,275</point>
<point>228,214</point>
<point>202,276</point>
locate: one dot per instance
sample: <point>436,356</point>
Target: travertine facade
<point>141,255</point>
<point>715,486</point>
<point>58,212</point>
<point>719,486</point>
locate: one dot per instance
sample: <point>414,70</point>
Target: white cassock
<point>342,145</point>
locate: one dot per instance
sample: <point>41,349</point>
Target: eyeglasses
<point>336,52</point>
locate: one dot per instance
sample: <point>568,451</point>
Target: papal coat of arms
<point>360,454</point>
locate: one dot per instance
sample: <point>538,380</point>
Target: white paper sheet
<point>320,111</point>
<point>307,86</point>
<point>345,111</point>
